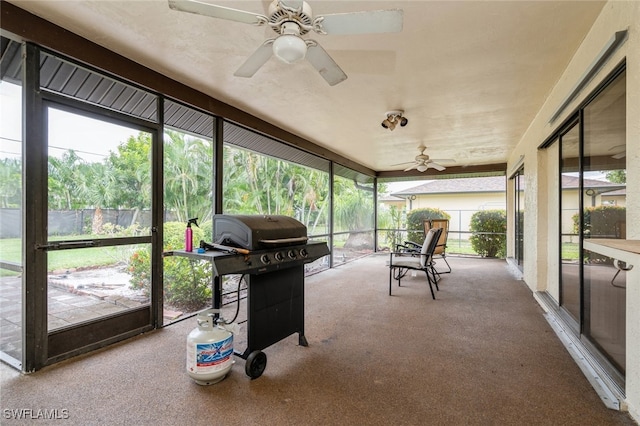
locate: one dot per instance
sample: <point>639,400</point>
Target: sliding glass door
<point>604,216</point>
<point>592,203</point>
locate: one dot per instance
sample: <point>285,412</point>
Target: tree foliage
<point>10,183</point>
<point>188,176</point>
<point>617,176</point>
<point>415,222</point>
<point>65,181</point>
<point>257,184</point>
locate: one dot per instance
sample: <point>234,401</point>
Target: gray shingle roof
<point>463,185</point>
<point>491,184</point>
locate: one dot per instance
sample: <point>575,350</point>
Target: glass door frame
<point>518,222</point>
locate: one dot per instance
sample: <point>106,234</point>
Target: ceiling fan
<point>291,19</point>
<point>422,162</point>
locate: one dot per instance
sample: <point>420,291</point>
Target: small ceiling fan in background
<point>619,152</point>
<point>291,19</point>
<point>422,162</point>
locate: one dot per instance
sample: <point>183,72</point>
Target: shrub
<point>415,222</point>
<point>601,221</point>
<point>187,282</point>
<point>489,229</point>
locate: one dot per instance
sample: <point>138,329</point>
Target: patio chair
<point>400,262</point>
<point>441,247</point>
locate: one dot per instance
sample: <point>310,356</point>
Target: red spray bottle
<point>188,234</point>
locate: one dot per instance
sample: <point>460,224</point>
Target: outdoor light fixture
<point>393,119</point>
<point>289,47</point>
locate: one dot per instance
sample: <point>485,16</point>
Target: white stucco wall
<point>541,229</point>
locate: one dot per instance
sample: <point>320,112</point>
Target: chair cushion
<point>425,246</point>
<point>406,262</point>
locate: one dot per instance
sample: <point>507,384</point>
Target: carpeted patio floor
<point>481,354</point>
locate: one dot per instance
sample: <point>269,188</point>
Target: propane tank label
<point>209,357</point>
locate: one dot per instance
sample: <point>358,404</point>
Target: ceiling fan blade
<point>370,22</point>
<point>402,164</point>
<point>256,60</point>
<point>415,166</point>
<point>436,166</point>
<point>326,66</point>
<point>294,4</point>
<point>215,11</point>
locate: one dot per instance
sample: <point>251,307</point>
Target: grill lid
<point>253,232</point>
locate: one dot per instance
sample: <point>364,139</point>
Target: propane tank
<point>209,349</point>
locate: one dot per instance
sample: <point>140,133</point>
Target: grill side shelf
<point>258,262</point>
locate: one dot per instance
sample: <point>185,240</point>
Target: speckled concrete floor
<point>480,354</point>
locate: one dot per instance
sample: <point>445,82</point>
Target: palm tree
<point>64,180</point>
<point>188,174</point>
<point>99,191</point>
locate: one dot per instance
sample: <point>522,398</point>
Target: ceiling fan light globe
<point>422,168</point>
<point>289,48</point>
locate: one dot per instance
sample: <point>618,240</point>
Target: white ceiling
<point>470,75</point>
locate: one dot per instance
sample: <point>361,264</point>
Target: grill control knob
<point>291,254</point>
<point>265,259</point>
<point>303,252</point>
<point>279,256</point>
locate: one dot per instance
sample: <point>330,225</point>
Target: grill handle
<point>284,241</point>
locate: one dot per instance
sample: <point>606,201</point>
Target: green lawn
<point>460,247</point>
<point>569,251</point>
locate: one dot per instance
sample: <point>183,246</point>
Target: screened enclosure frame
<point>67,83</point>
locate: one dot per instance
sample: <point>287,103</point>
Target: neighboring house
<point>389,200</point>
<point>460,198</point>
<point>596,192</point>
<point>614,198</point>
